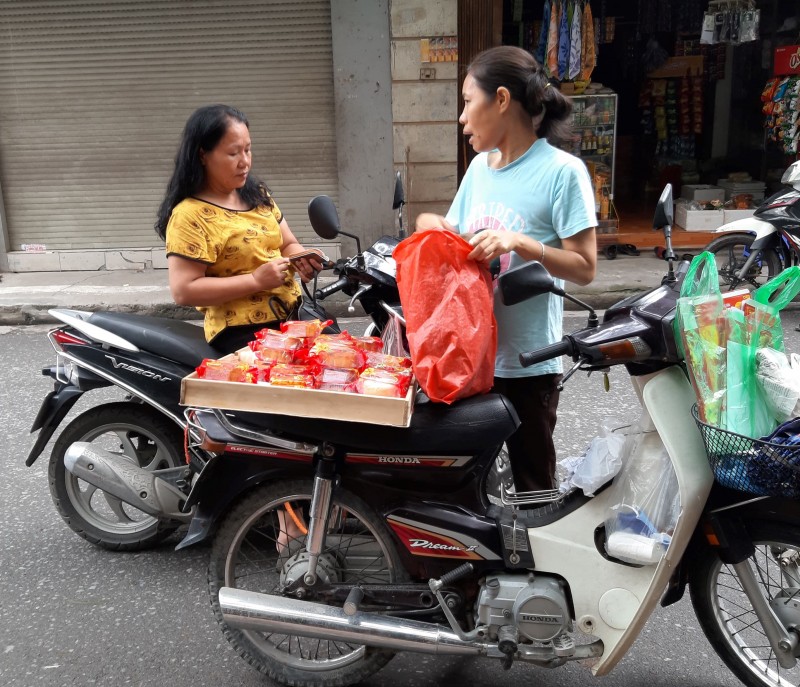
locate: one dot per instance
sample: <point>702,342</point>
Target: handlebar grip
<point>330,289</point>
<point>563,347</point>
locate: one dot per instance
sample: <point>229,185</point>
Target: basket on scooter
<point>751,465</point>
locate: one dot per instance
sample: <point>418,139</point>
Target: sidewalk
<point>25,297</point>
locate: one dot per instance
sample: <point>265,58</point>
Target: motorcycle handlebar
<point>330,289</point>
<point>563,347</point>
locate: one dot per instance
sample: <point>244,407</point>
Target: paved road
<point>72,614</point>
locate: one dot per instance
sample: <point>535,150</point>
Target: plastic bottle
<point>634,548</point>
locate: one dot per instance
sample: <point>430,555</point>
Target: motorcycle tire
<point>725,613</point>
<point>730,253</point>
<point>140,434</point>
<point>246,554</point>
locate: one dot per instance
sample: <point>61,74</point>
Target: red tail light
<point>63,338</point>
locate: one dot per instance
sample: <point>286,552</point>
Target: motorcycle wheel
<point>138,434</point>
<point>725,613</point>
<point>730,253</point>
<point>358,549</point>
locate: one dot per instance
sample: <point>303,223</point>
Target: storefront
<point>664,101</point>
<point>93,97</point>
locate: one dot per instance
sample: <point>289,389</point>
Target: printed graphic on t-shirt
<point>497,217</point>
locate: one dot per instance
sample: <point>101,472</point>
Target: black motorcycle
<point>147,473</point>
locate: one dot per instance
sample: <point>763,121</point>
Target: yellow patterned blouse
<point>230,242</point>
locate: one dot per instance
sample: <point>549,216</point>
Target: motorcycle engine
<point>536,606</point>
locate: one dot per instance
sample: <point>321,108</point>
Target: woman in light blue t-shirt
<point>523,199</point>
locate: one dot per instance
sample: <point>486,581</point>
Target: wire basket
<point>751,465</point>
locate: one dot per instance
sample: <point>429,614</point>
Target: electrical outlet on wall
<point>426,73</point>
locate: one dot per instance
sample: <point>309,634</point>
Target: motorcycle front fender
<point>748,225</point>
<point>54,409</point>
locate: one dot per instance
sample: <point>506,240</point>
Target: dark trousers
<point>231,339</point>
<point>530,448</point>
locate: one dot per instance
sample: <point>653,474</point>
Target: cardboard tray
<point>281,400</point>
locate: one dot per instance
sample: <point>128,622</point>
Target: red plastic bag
<point>449,311</point>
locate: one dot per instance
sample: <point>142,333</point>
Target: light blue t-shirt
<point>546,194</point>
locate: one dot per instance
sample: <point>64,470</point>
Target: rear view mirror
<point>663,214</point>
<point>324,217</point>
<point>525,281</point>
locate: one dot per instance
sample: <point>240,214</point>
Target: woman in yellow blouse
<point>228,244</point>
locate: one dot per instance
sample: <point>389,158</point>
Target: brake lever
<point>582,360</point>
<point>361,291</point>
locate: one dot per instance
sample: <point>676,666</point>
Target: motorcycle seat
<point>465,427</point>
<point>175,340</point>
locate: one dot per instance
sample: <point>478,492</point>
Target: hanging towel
<point>563,41</point>
<point>541,47</point>
<point>587,44</point>
<point>575,42</point>
<point>552,40</point>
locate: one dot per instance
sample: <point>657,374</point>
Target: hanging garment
<point>587,44</point>
<point>541,47</point>
<point>552,40</point>
<point>575,42</point>
<point>563,41</point>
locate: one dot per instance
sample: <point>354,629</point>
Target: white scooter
<point>404,551</point>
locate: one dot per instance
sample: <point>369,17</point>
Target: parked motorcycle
<point>138,493</point>
<point>751,251</point>
<point>341,543</point>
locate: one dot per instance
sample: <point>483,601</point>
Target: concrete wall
<point>362,85</point>
<point>424,111</point>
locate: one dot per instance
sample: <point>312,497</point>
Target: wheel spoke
<point>116,507</point>
<point>256,559</point>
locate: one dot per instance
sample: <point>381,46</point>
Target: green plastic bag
<point>702,281</point>
<point>779,291</point>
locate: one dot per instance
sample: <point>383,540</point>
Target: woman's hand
<point>429,220</point>
<point>273,274</point>
<point>308,266</point>
<point>490,244</point>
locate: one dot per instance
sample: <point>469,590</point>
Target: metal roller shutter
<point>94,95</point>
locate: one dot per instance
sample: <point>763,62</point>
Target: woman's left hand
<point>489,244</point>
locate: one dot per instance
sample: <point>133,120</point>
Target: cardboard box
<point>702,192</point>
<point>281,400</point>
<point>733,215</point>
<point>697,220</point>
<point>734,188</point>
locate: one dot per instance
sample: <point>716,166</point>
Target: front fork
<point>736,549</point>
<point>321,498</point>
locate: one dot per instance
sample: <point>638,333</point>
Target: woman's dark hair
<point>527,82</point>
<point>203,131</point>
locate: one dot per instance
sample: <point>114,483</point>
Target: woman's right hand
<point>273,274</point>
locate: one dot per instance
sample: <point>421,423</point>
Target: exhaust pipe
<point>247,610</point>
<point>121,478</point>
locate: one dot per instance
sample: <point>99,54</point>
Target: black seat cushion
<point>175,340</point>
<point>465,427</point>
